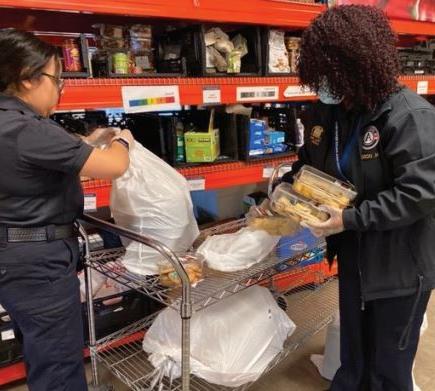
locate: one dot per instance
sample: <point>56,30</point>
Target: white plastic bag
<point>153,199</point>
<point>237,251</point>
<point>232,342</point>
<point>102,286</point>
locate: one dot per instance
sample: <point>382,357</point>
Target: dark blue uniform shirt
<point>39,168</point>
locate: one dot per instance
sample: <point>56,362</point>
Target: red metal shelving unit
<point>268,12</point>
<point>215,176</point>
<point>106,93</point>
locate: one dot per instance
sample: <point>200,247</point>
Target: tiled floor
<point>297,373</point>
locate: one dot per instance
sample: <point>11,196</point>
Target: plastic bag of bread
<point>192,265</point>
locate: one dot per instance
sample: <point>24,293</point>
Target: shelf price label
<point>296,91</point>
<point>211,95</point>
<point>141,99</point>
<point>267,172</point>
<point>196,184</point>
<point>90,202</point>
<point>422,87</point>
<point>252,94</point>
<point>7,335</point>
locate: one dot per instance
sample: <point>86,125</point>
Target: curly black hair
<point>354,48</point>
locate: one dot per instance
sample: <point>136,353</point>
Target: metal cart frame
<point>186,300</point>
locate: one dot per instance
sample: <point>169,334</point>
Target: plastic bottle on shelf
<point>179,129</point>
<point>300,129</point>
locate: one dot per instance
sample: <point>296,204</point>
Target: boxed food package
<point>203,147</point>
<point>286,202</point>
<point>272,137</point>
<point>323,188</point>
<point>192,265</point>
<point>278,55</point>
<point>256,133</point>
<point>293,45</point>
<point>274,148</point>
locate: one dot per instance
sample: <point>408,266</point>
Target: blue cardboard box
<point>256,133</point>
<point>272,137</point>
<point>302,242</point>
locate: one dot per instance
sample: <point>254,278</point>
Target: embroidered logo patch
<point>316,135</point>
<point>371,138</point>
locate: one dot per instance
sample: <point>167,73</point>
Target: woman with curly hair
<point>380,136</point>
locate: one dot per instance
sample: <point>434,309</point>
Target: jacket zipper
<point>363,302</point>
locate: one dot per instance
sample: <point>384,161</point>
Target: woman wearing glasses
<point>40,197</point>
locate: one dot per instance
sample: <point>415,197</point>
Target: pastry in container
<point>323,189</point>
<point>286,202</point>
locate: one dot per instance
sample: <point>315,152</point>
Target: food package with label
<point>293,45</point>
<point>286,202</point>
<point>278,55</point>
<point>323,189</point>
<point>193,265</point>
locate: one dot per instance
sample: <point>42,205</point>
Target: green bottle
<point>179,130</point>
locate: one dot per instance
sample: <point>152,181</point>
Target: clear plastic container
<point>286,202</point>
<point>323,188</point>
<point>192,263</point>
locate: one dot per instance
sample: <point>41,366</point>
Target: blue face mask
<point>326,97</point>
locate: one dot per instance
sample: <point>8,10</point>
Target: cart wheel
<point>102,387</point>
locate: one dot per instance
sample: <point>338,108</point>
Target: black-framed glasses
<point>59,82</point>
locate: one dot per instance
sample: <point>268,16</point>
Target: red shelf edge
<point>106,93</point>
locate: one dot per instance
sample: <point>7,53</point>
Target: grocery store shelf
<point>106,93</point>
<point>272,12</point>
<point>412,27</point>
<point>284,13</point>
<point>424,84</point>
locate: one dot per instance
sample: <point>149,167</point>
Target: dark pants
<point>370,356</point>
<point>40,291</point>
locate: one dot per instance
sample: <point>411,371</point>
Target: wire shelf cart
<point>310,301</point>
<point>310,306</point>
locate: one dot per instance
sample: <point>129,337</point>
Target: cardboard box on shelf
<point>203,147</point>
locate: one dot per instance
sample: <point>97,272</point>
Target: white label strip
<point>267,172</point>
<point>249,94</point>
<point>423,87</point>
<point>196,184</point>
<point>8,335</point>
<point>211,95</point>
<point>142,99</point>
<point>295,91</point>
<point>90,203</point>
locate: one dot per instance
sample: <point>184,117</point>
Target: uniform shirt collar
<point>10,102</point>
